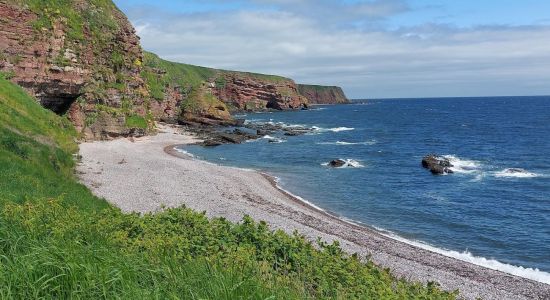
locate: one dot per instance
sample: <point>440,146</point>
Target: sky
<point>371,48</point>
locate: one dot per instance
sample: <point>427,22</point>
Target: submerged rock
<point>438,165</point>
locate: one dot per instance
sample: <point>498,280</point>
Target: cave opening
<point>273,104</point>
<point>59,104</point>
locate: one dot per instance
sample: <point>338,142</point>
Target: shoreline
<point>386,233</point>
<point>231,192</point>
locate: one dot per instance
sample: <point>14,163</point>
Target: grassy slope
<point>59,241</point>
<point>187,76</point>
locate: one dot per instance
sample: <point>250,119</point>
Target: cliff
<point>197,94</point>
<point>77,57</point>
<point>317,94</point>
<point>84,59</point>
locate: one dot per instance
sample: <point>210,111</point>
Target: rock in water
<point>337,163</point>
<point>438,165</point>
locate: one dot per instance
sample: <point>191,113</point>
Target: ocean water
<point>482,213</point>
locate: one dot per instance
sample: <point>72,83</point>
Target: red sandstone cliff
<point>91,72</point>
<point>84,59</point>
<point>317,94</point>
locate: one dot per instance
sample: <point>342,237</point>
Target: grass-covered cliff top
<point>59,241</point>
<point>188,76</point>
<point>78,16</point>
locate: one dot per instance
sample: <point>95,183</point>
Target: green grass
<point>136,122</point>
<point>95,16</point>
<point>189,76</point>
<point>176,74</point>
<point>58,241</point>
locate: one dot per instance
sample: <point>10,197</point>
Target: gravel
<point>147,175</point>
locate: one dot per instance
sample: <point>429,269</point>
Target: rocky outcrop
<point>438,165</point>
<point>80,58</point>
<point>253,92</point>
<point>317,94</point>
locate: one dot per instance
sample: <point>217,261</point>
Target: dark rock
<point>337,163</point>
<point>262,132</point>
<point>515,170</point>
<point>438,165</point>
<point>293,133</point>
<point>211,143</point>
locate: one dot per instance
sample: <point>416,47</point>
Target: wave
<point>349,163</point>
<point>529,273</point>
<point>179,150</point>
<point>466,256</point>
<point>516,173</point>
<point>273,139</point>
<point>473,167</point>
<point>336,129</point>
<point>340,143</point>
<point>461,165</point>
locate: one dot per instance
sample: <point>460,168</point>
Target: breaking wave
<point>461,165</point>
<point>516,173</point>
<point>273,139</point>
<point>530,273</point>
<point>179,150</point>
<point>349,163</point>
<point>340,143</point>
<point>336,129</point>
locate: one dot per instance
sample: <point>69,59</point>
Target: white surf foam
<point>516,173</point>
<point>340,143</point>
<point>530,273</point>
<point>184,152</point>
<point>273,139</point>
<point>461,165</point>
<point>336,129</point>
<point>349,163</point>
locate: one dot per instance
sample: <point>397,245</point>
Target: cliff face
<point>252,92</point>
<point>81,58</point>
<point>317,94</point>
<point>193,94</point>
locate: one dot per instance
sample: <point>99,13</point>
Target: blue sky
<point>373,49</point>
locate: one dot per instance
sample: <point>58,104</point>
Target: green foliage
<point>57,241</point>
<point>174,74</point>
<point>61,61</point>
<point>136,122</point>
<point>76,16</point>
<point>7,75</point>
<point>220,82</point>
<point>36,152</point>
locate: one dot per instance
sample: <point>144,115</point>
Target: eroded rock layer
<point>317,94</point>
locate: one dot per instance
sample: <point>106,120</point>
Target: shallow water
<point>484,210</point>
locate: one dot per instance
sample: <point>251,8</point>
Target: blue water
<point>478,209</point>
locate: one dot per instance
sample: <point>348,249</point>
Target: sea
<point>487,212</point>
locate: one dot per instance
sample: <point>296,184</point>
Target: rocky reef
<point>318,94</point>
<point>84,59</point>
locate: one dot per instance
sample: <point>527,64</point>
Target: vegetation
<point>136,122</point>
<point>59,241</point>
<point>97,18</point>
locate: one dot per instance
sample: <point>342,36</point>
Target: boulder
<point>337,163</point>
<point>438,165</point>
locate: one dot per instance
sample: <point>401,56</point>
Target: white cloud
<point>429,60</point>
